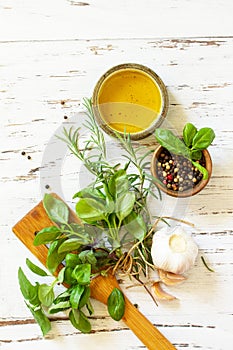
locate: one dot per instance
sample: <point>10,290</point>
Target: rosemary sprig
<point>95,163</point>
<point>97,137</point>
<point>144,184</point>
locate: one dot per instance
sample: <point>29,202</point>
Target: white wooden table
<point>51,55</point>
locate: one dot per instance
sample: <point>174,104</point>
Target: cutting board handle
<point>149,335</point>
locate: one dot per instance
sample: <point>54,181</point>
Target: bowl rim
<point>154,76</point>
<point>188,193</point>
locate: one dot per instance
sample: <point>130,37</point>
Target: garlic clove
<point>175,252</point>
<point>160,293</point>
<point>170,278</point>
<point>175,276</point>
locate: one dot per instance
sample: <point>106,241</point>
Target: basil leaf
<point>124,205</point>
<point>90,192</point>
<point>82,273</point>
<point>72,260</point>
<point>202,170</point>
<point>116,304</point>
<point>196,155</point>
<point>41,319</point>
<point>53,257</point>
<point>29,291</point>
<point>109,205</point>
<point>65,296</point>
<point>56,209</point>
<point>95,233</point>
<point>90,210</point>
<point>80,321</point>
<point>118,183</point>
<point>46,294</point>
<point>70,244</point>
<point>87,256</point>
<point>78,228</point>
<point>62,306</point>
<point>36,269</point>
<point>115,243</point>
<point>85,297</point>
<point>47,235</point>
<point>189,132</point>
<point>203,138</point>
<point>89,307</point>
<point>68,278</point>
<point>61,275</point>
<point>76,296</point>
<point>172,143</point>
<point>135,225</point>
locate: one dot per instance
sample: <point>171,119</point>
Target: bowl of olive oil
<point>130,98</point>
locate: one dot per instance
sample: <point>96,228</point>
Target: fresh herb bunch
<point>115,233</point>
<point>191,147</point>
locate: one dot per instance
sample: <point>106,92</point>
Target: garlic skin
<point>174,252</point>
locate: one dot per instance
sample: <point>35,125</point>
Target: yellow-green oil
<point>129,100</point>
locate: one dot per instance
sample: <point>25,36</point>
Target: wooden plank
<point>72,19</point>
<point>41,82</point>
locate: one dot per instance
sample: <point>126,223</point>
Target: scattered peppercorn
<point>47,187</point>
<point>29,157</point>
<point>65,117</point>
<point>23,153</point>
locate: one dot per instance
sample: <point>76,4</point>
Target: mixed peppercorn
<point>176,172</point>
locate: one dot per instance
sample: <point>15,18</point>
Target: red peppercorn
<point>164,182</point>
<point>169,177</point>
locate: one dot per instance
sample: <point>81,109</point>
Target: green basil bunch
<point>191,147</point>
<point>110,205</point>
<point>72,245</point>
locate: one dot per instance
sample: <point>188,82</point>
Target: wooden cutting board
<point>101,287</point>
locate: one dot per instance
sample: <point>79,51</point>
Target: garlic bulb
<point>175,252</point>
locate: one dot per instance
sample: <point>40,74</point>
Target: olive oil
<point>129,100</point>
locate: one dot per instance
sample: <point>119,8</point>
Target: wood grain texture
<point>51,56</point>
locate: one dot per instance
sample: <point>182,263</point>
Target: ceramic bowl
<point>130,98</point>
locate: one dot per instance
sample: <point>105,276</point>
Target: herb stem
<point>143,258</point>
<point>73,233</point>
<point>147,289</point>
<point>205,264</point>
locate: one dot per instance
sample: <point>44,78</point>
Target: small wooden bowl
<point>190,192</point>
